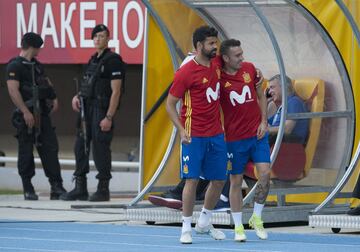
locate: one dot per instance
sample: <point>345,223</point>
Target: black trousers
<point>99,140</point>
<point>356,192</point>
<point>200,189</point>
<point>48,149</point>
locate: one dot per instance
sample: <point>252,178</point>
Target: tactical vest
<point>93,86</point>
<point>45,90</point>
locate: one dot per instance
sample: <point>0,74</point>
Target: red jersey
<point>199,88</point>
<point>242,114</point>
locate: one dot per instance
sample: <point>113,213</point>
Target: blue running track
<point>74,237</point>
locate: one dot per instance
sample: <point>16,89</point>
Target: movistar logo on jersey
<point>186,158</point>
<point>245,96</point>
<point>213,94</point>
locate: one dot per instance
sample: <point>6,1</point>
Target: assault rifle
<point>35,104</point>
<point>83,130</point>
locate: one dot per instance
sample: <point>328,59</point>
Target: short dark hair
<point>31,39</point>
<point>100,28</point>
<point>226,44</point>
<point>203,32</point>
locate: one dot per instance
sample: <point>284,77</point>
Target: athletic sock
<point>258,209</point>
<point>186,224</point>
<point>237,217</point>
<point>204,219</point>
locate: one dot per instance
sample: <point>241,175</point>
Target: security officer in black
<point>35,99</point>
<point>100,91</point>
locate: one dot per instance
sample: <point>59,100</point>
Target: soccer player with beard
<point>203,149</point>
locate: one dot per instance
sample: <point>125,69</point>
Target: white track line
<point>198,236</point>
<point>38,249</point>
<point>189,247</point>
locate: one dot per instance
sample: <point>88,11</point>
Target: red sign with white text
<point>66,26</point>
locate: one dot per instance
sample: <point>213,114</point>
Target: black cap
<point>99,28</point>
<point>31,39</point>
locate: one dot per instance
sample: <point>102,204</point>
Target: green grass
<point>7,191</point>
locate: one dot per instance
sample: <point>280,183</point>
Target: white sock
<point>204,218</point>
<point>224,198</point>
<point>258,209</point>
<point>237,217</point>
<point>186,224</point>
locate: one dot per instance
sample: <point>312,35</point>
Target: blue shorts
<point>204,157</point>
<point>240,152</point>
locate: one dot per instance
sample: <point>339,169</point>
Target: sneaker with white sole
<point>256,223</point>
<point>209,229</point>
<point>186,237</point>
<point>240,234</point>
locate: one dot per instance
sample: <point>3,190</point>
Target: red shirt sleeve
<point>181,83</point>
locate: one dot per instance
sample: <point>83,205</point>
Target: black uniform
<point>109,66</point>
<point>45,138</point>
<point>356,192</point>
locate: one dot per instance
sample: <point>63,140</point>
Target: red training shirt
<point>199,88</point>
<point>242,114</point>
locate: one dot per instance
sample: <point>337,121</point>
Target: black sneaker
<point>354,211</point>
<point>171,195</point>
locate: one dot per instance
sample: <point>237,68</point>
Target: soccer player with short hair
<point>203,149</point>
<point>245,121</point>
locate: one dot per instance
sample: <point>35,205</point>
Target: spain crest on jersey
<point>246,77</point>
<point>227,84</point>
<point>185,169</point>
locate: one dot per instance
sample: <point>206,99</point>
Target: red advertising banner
<point>66,25</point>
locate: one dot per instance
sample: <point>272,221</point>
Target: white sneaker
<point>186,237</point>
<point>240,234</point>
<point>256,223</point>
<point>209,229</point>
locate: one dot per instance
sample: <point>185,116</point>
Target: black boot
<point>56,190</point>
<point>102,193</point>
<point>29,192</point>
<point>80,191</point>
